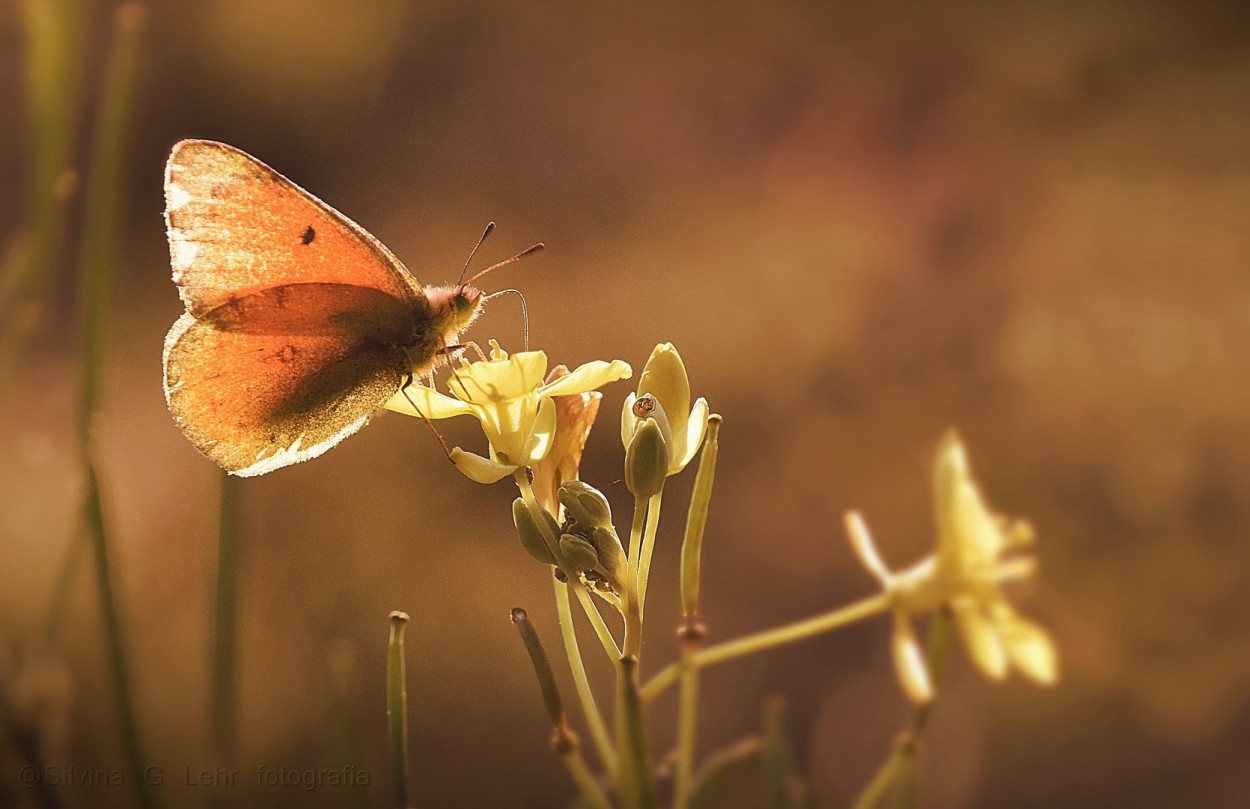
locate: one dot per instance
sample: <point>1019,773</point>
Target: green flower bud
<point>646,460</point>
<point>578,552</point>
<point>585,504</point>
<point>531,535</point>
<point>611,554</point>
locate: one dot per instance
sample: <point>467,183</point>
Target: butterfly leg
<point>428,423</point>
<point>448,350</point>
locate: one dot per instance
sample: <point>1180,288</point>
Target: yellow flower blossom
<point>664,388</point>
<point>507,395</point>
<point>975,555</point>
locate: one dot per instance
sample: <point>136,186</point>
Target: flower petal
<point>664,377</point>
<point>500,379</point>
<point>591,376</point>
<point>628,422</point>
<point>1030,648</point>
<point>575,415</point>
<point>909,662</point>
<point>980,637</point>
<point>508,424</point>
<point>432,404</point>
<point>969,534</point>
<point>689,443</point>
<point>864,547</point>
<point>479,469</point>
<point>541,434</point>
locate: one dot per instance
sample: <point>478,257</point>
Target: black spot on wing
<point>309,235</point>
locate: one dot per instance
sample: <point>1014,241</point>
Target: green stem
<point>64,585</point>
<point>696,523</point>
<point>637,784</point>
<point>648,548</point>
<point>591,790</point>
<point>899,763</point>
<point>53,33</point>
<point>131,739</point>
<point>718,767</point>
<point>597,623</point>
<point>768,639</point>
<point>565,741</point>
<point>692,632</point>
<point>225,632</point>
<point>397,707</point>
<point>631,598</point>
<point>99,241</point>
<point>594,719</point>
<point>686,727</point>
<point>885,779</point>
<point>104,195</point>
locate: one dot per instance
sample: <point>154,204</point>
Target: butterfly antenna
<point>525,313</point>
<point>529,251</point>
<point>489,227</point>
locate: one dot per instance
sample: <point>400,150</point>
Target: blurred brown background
<point>858,224</point>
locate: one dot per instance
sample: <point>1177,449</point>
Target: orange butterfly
<point>299,324</point>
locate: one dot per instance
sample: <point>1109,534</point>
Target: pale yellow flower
<point>667,388</point>
<point>507,395</point>
<point>975,555</point>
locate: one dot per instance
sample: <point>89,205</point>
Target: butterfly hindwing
<point>254,402</point>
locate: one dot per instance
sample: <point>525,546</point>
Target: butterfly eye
<point>464,298</point>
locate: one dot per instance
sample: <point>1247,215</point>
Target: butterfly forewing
<point>236,226</point>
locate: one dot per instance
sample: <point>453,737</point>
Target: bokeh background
<point>859,223</point>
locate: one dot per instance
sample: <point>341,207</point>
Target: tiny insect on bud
<point>585,504</point>
<point>531,535</point>
<point>646,460</point>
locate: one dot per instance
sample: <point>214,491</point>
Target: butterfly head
<point>455,307</point>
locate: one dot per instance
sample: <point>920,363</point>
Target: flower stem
<point>397,707</point>
<point>768,639</point>
<point>696,523</point>
<point>99,243</point>
<point>132,743</point>
<point>631,598</point>
<point>648,548</point>
<point>692,631</point>
<point>591,790</point>
<point>52,35</point>
<point>717,768</point>
<point>565,742</point>
<point>885,779</point>
<point>686,727</point>
<point>637,784</point>
<point>894,770</point>
<point>594,719</point>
